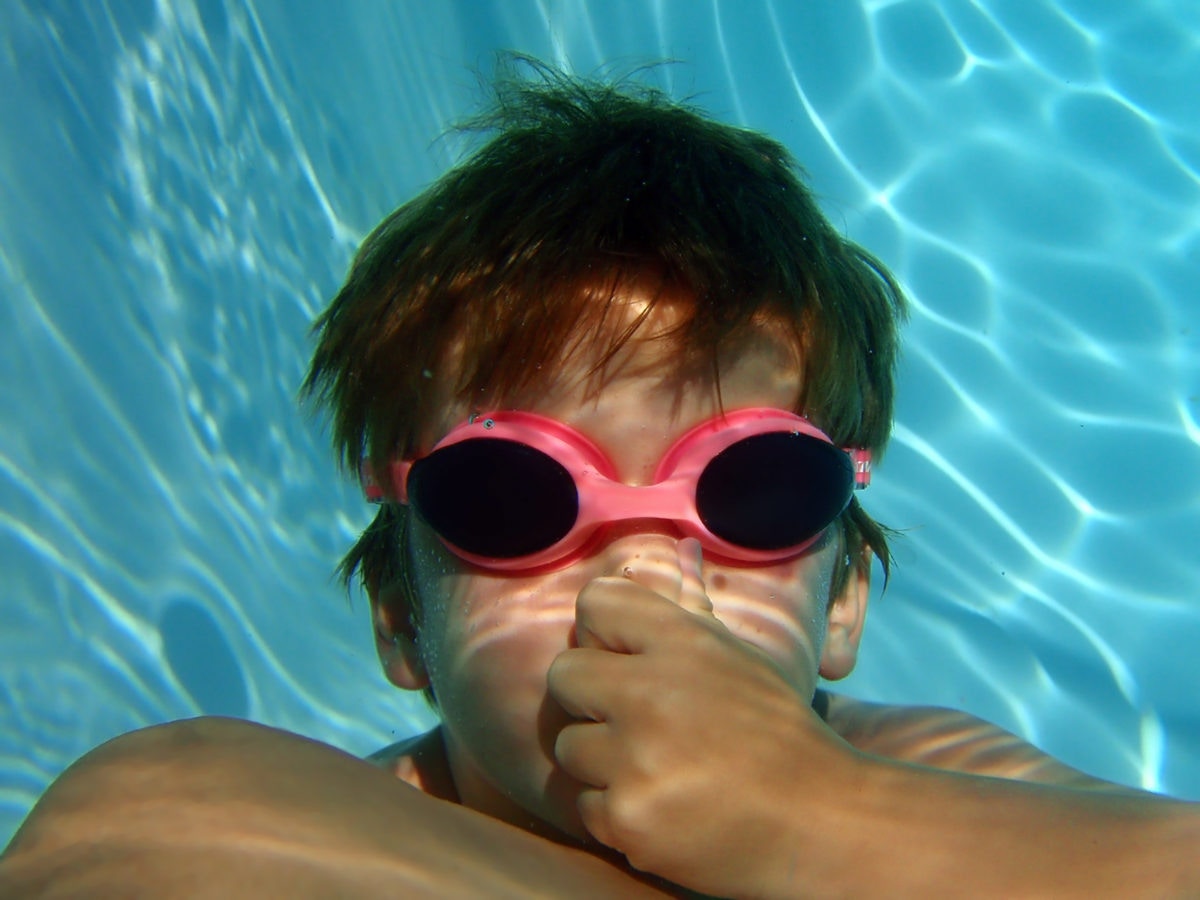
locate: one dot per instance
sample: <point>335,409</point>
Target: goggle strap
<point>860,458</point>
<point>370,485</point>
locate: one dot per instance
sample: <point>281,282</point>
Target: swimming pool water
<point>182,185</point>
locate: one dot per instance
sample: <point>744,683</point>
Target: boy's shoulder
<point>944,738</point>
<point>241,809</point>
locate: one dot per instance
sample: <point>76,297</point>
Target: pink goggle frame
<point>604,500</point>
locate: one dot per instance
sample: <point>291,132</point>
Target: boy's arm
<point>226,809</point>
<point>669,703</point>
<point>936,801</point>
<point>924,832</point>
<point>1001,838</point>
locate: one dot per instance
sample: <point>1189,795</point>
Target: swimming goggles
<point>516,491</point>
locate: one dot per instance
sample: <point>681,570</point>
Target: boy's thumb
<point>692,594</point>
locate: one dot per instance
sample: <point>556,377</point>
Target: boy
<point>615,383</point>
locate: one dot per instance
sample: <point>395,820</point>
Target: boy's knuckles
<point>600,595</point>
<point>593,812</point>
<point>698,637</point>
<point>643,831</point>
<point>569,751</point>
<point>563,674</point>
<point>626,817</point>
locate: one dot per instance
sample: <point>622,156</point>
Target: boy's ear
<point>395,638</point>
<point>846,617</point>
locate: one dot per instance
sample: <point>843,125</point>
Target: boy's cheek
<point>489,672</point>
<point>491,639</point>
<point>497,644</point>
<point>787,640</point>
<point>493,681</point>
<point>780,610</point>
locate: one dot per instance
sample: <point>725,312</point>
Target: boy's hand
<point>693,746</point>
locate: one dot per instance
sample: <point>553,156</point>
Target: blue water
<point>181,188</point>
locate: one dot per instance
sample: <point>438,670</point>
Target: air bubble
<point>627,571</point>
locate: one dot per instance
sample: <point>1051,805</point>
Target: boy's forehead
<point>651,374</point>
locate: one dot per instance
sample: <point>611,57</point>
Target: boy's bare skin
<point>574,701</point>
<point>224,808</point>
<point>928,736</point>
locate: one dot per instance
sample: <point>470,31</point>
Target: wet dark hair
<point>515,257</point>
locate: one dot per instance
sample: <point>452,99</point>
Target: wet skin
<point>580,701</point>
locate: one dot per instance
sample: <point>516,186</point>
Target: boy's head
<point>628,267</point>
<point>479,289</point>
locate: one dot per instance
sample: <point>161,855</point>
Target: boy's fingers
<point>581,681</point>
<point>593,812</point>
<point>676,576</point>
<point>586,751</point>
<point>620,615</point>
<point>692,594</point>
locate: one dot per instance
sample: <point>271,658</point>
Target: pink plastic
<point>603,499</point>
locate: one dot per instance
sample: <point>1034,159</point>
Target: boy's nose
<point>645,551</point>
<point>638,537</point>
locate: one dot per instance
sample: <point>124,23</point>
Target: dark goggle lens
<point>494,497</point>
<point>771,491</point>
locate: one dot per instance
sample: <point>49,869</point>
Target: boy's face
<point>487,640</point>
